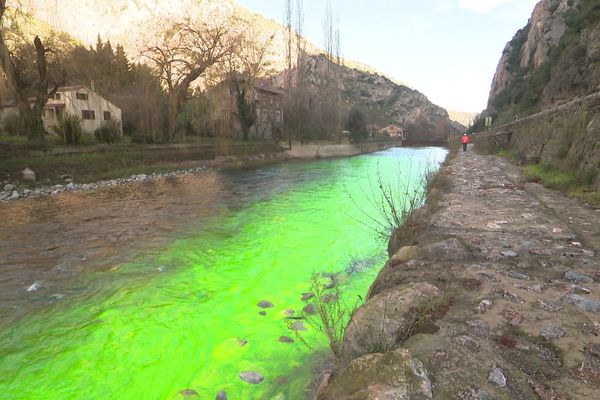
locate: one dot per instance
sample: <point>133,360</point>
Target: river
<point>144,290</point>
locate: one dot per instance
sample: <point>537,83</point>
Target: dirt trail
<point>520,265</point>
<point>534,279</point>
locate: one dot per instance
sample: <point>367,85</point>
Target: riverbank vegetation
<point>198,78</point>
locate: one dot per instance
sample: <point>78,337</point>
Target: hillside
<point>134,24</point>
<point>553,59</point>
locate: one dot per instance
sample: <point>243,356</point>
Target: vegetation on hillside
<point>561,69</point>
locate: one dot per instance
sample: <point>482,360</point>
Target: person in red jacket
<point>465,141</point>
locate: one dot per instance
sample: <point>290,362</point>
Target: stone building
<point>81,101</point>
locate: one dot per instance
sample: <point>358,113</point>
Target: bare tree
<point>185,52</point>
<point>31,114</point>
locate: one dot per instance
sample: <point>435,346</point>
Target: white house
<point>81,101</point>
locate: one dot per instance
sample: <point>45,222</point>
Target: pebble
<point>583,303</point>
<point>252,377</point>
<point>517,275</point>
<point>578,277</point>
<point>263,313</point>
<point>222,395</point>
<point>468,342</point>
<point>509,254</point>
<point>552,332</point>
<point>497,377</point>
<point>480,327</point>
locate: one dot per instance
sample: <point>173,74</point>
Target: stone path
<point>519,268</point>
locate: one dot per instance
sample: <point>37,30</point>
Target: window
<point>264,115</point>
<point>56,96</point>
<point>107,115</point>
<point>88,114</point>
<point>278,116</point>
<point>81,96</point>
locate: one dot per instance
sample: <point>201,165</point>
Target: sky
<point>446,49</point>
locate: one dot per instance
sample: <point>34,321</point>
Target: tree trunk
<point>32,116</point>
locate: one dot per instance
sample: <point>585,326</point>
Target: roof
<point>269,89</point>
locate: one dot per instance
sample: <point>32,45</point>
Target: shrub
<point>109,132</point>
<point>356,124</point>
<point>69,128</point>
<point>14,125</point>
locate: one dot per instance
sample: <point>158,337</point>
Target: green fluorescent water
<point>173,319</point>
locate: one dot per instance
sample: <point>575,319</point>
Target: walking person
<point>465,141</point>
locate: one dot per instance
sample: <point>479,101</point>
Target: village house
<point>269,111</point>
<point>393,131</point>
<point>81,101</point>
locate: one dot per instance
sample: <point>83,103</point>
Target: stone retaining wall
<point>565,137</point>
<point>326,150</point>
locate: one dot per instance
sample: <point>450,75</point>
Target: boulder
<point>380,322</point>
<point>405,254</point>
<point>394,375</point>
<point>28,175</point>
<point>446,250</point>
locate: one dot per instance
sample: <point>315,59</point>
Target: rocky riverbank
<point>11,192</point>
<point>497,296</point>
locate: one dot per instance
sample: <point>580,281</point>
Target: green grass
<point>117,161</point>
<point>12,139</point>
<point>564,181</point>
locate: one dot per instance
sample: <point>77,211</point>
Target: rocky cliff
<point>134,24</point>
<point>553,59</point>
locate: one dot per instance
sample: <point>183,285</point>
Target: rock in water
<point>189,393</point>
<point>28,175</point>
<point>265,304</point>
<point>252,377</point>
<point>298,326</point>
<point>286,339</point>
<point>310,309</point>
<point>222,395</point>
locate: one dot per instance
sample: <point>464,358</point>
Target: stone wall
<point>327,150</point>
<point>566,137</point>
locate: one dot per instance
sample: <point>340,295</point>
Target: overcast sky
<point>447,49</point>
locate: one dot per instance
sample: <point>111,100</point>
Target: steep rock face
<point>553,59</point>
<point>387,102</point>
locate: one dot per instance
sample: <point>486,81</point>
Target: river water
<point>144,290</point>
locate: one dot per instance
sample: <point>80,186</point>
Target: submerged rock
<point>310,309</point>
<point>189,393</point>
<point>307,296</point>
<point>394,375</point>
<point>298,326</point>
<point>222,395</point>
<point>252,377</point>
<point>286,339</point>
<point>265,304</point>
